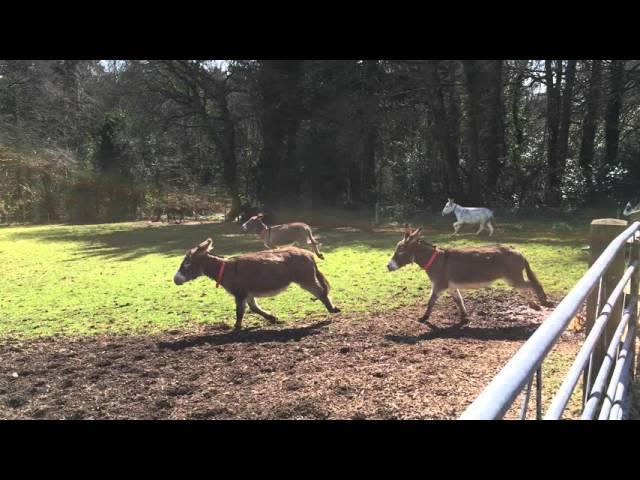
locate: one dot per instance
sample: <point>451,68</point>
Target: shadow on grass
<point>520,332</point>
<point>248,336</point>
<point>124,242</point>
<point>127,242</point>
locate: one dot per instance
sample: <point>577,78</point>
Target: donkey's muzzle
<point>179,279</point>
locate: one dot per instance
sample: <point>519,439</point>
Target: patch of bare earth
<point>381,366</point>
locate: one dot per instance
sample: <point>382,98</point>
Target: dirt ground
<point>384,366</point>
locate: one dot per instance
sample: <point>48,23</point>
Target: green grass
<point>117,278</point>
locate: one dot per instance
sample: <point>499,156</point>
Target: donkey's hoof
<point>272,320</point>
<point>321,256</point>
<point>534,306</point>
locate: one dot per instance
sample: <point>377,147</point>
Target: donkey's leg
<point>490,228</point>
<point>314,287</point>
<point>241,302</point>
<point>457,298</point>
<point>480,229</point>
<point>255,308</point>
<point>456,227</point>
<point>435,294</point>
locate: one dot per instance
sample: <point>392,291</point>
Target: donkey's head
<point>254,224</point>
<point>192,265</point>
<point>404,253</point>
<point>449,207</point>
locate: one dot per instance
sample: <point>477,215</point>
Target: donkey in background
<point>260,274</point>
<point>630,208</point>
<point>469,216</point>
<point>286,234</point>
<point>469,267</point>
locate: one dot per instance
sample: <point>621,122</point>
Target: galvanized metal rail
<point>498,397</point>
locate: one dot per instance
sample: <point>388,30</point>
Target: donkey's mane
<point>422,242</point>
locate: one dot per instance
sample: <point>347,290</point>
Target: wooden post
<point>603,231</point>
<point>634,216</point>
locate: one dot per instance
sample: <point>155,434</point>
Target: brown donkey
<point>469,267</point>
<point>260,274</point>
<point>279,235</point>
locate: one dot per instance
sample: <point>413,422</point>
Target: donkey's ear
<point>407,231</point>
<point>206,245</point>
<point>414,236</point>
<point>260,215</point>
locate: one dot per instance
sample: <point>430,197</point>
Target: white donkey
<point>628,209</point>
<point>469,216</point>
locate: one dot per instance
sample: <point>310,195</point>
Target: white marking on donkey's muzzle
<point>392,265</point>
<point>179,279</point>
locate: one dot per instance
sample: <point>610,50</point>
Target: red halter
<point>431,260</point>
<point>220,274</point>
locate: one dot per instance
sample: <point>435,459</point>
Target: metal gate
<point>605,361</point>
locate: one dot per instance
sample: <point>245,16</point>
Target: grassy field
<point>117,278</point>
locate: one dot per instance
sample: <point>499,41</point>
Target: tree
<point>203,92</point>
<point>445,124</point>
<point>613,111</point>
<point>589,126</point>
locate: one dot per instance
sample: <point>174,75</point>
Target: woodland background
<point>102,141</point>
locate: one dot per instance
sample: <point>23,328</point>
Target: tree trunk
<point>473,119</point>
<point>589,126</point>
<point>369,136</point>
<point>553,126</point>
<point>229,170</point>
<point>612,113</point>
<point>290,178</point>
<point>515,115</point>
<point>279,82</point>
<point>495,143</point>
<point>225,141</point>
<point>565,116</point>
<point>448,146</point>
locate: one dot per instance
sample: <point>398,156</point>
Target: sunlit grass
<point>117,278</point>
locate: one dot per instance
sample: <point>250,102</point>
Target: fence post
<point>633,290</point>
<point>603,231</point>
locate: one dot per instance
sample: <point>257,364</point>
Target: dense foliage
<point>113,140</point>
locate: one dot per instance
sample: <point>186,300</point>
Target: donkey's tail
<point>536,283</point>
<point>310,237</point>
<point>314,243</point>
